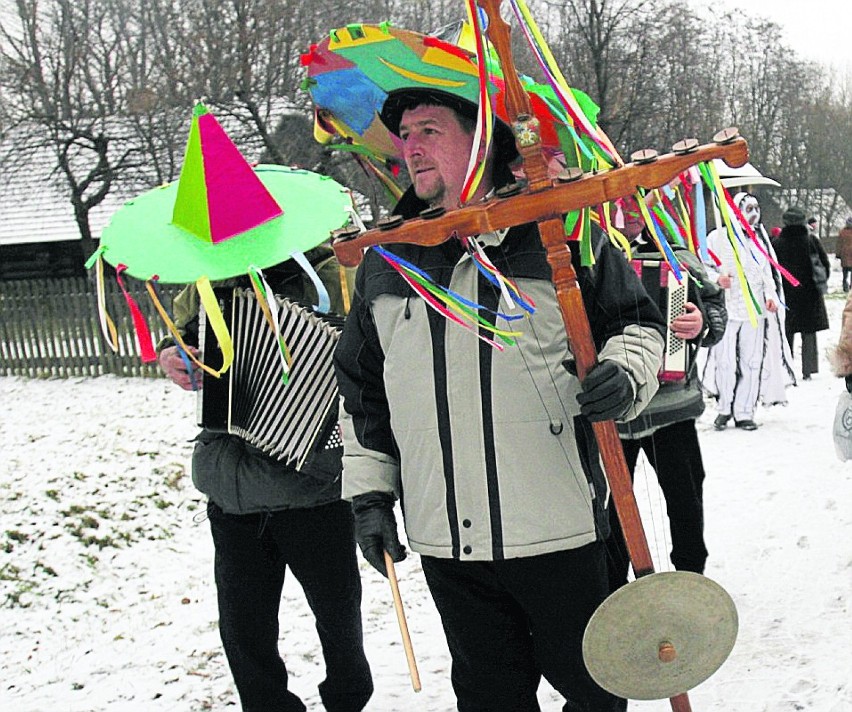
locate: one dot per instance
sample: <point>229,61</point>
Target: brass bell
<point>390,222</point>
<point>569,175</point>
<point>345,233</point>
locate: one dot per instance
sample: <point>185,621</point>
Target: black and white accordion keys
<point>294,423</point>
<point>671,297</point>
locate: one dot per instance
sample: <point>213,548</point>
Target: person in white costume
<point>751,363</point>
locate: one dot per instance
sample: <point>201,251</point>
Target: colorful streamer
<point>454,306</point>
<point>147,351</point>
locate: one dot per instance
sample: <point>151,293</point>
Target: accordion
<point>671,297</point>
<point>296,422</point>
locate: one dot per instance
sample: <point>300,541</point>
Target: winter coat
<point>844,247</point>
<point>236,476</point>
<point>841,355</point>
<point>805,305</point>
<point>485,448</point>
<point>675,402</point>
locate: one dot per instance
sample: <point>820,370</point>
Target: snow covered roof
<point>35,204</point>
<point>35,207</point>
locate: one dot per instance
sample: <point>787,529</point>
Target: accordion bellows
<point>287,422</point>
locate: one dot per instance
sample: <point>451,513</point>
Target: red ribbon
<point>140,324</point>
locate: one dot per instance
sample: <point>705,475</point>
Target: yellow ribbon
<point>217,323</point>
<point>107,324</point>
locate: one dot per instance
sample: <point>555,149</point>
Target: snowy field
<point>107,600</point>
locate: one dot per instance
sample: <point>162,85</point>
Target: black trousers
<point>810,355</point>
<point>253,552</point>
<point>675,454</point>
<point>509,622</point>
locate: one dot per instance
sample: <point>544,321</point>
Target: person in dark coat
<point>844,253</point>
<point>491,453</point>
<point>268,521</point>
<point>806,314</point>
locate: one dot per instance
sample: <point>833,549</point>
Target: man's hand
<point>607,391</point>
<point>771,306</point>
<point>174,367</point>
<point>687,326</point>
<point>375,529</point>
<point>724,281</point>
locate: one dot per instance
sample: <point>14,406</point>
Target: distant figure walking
<point>844,252</point>
<point>738,366</point>
<point>806,314</point>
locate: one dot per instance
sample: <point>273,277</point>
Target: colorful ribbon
<point>453,306</point>
<point>143,334</point>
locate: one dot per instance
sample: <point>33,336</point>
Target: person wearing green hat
<point>490,452</point>
<point>222,220</point>
<point>801,254</point>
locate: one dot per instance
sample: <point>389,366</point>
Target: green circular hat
<point>222,216</point>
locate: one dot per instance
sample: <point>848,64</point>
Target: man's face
<point>750,209</point>
<point>633,220</point>
<point>436,149</point>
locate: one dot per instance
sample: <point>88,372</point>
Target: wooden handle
<point>403,624</point>
<point>680,703</point>
<point>579,332</point>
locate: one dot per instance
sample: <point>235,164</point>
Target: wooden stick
<point>552,203</point>
<point>403,624</point>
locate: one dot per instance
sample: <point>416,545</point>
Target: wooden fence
<point>50,328</point>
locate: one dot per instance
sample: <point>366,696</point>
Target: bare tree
<point>106,85</point>
<point>63,89</point>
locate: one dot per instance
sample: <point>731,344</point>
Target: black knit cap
<point>400,101</point>
<point>794,216</point>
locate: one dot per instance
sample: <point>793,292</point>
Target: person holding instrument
<point>265,519</point>
<point>267,515</point>
<point>665,431</point>
<point>490,452</point>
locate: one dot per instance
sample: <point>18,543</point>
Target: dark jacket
<point>805,305</point>
<point>678,401</point>
<point>238,477</point>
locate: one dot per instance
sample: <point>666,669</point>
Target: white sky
<point>817,29</point>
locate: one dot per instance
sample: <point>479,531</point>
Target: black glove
<point>607,392</point>
<point>375,529</point>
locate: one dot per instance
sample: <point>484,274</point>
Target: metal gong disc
<point>660,635</point>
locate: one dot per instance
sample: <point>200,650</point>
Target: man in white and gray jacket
<point>491,453</point>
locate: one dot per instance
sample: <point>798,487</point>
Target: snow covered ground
<point>107,600</point>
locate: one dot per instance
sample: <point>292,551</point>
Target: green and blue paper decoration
<point>352,71</point>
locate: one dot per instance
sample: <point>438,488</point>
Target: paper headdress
<point>222,217</point>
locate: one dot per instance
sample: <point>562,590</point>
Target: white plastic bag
<point>843,426</point>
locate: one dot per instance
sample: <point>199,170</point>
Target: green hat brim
<point>141,234</point>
